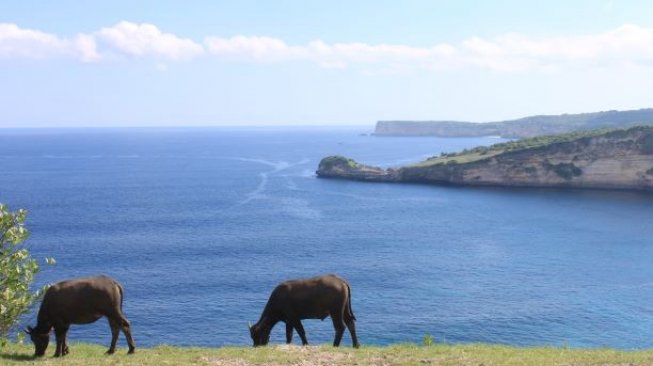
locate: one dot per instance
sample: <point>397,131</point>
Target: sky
<point>301,62</point>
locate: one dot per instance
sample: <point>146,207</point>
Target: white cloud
<point>141,40</point>
<point>265,49</point>
<point>628,45</point>
<point>338,55</point>
<point>28,43</point>
<point>86,48</point>
<point>123,39</point>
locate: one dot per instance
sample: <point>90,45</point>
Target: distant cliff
<point>615,159</point>
<point>518,128</point>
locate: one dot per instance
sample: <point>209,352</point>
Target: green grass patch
<point>403,354</point>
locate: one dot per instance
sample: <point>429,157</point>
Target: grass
<point>468,355</point>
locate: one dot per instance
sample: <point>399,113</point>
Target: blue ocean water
<point>199,225</point>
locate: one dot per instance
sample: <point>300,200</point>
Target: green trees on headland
<point>337,160</point>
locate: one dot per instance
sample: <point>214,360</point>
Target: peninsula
<point>605,159</point>
<point>518,128</point>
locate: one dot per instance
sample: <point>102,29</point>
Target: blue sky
<point>174,63</point>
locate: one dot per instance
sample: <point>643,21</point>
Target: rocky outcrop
<point>518,128</point>
<point>621,159</point>
<point>345,168</point>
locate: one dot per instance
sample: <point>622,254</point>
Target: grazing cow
<point>311,298</point>
<point>79,301</point>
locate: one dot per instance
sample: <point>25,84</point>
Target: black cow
<point>79,301</point>
<point>311,298</point>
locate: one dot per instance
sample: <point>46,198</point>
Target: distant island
<point>518,128</point>
<point>606,159</point>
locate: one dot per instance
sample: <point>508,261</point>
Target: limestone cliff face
<point>620,159</point>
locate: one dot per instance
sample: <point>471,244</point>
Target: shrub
<point>428,340</point>
<point>647,144</point>
<point>337,160</point>
<point>17,270</point>
<point>565,170</point>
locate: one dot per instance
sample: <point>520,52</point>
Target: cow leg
<point>65,345</point>
<point>60,336</point>
<point>339,326</point>
<point>351,325</point>
<point>115,331</point>
<point>126,329</point>
<point>297,324</point>
<point>288,333</point>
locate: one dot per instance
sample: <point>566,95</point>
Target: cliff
<point>615,159</point>
<point>518,128</point>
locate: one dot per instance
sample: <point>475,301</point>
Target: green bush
<point>428,340</point>
<point>647,144</point>
<point>337,160</point>
<point>17,270</point>
<point>565,170</point>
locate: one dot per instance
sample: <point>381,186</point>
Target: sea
<point>200,224</point>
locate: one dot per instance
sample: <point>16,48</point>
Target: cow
<point>310,298</point>
<point>79,301</point>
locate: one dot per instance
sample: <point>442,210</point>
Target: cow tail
<point>349,309</point>
<point>121,294</point>
<point>125,322</point>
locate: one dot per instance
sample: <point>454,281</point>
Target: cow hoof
<point>131,351</point>
<point>65,351</point>
<point>111,351</point>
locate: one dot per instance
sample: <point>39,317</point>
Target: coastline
<point>612,160</point>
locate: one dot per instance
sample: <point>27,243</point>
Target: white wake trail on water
<point>278,166</point>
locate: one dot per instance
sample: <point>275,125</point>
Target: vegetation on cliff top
<point>337,160</point>
<point>484,152</point>
<point>471,354</point>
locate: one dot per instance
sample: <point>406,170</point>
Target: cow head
<point>40,340</point>
<point>260,335</point>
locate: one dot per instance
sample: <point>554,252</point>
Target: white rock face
<point>622,161</point>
